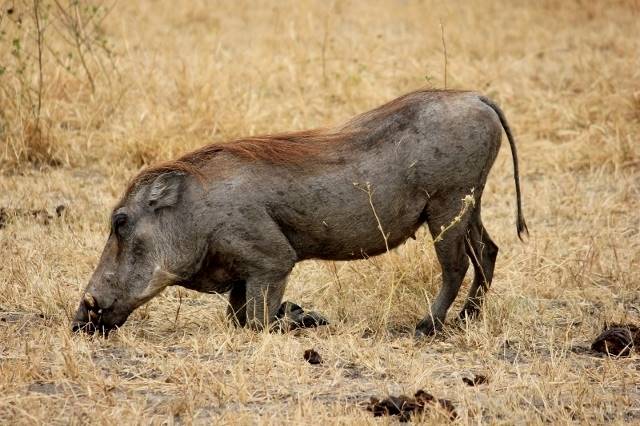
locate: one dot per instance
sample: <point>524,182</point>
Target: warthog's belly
<point>343,220</point>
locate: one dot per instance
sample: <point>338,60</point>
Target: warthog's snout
<point>91,318</point>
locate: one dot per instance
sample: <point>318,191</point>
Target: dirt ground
<point>172,76</point>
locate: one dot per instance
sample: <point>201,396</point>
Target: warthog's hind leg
<point>453,259</point>
<point>482,252</point>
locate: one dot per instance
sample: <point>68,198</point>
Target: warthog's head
<point>150,246</point>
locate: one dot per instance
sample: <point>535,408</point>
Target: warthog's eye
<point>119,223</point>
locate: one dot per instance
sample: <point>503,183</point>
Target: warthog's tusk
<point>90,300</point>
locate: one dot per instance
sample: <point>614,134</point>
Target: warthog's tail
<point>521,225</point>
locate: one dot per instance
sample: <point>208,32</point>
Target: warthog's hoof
<point>292,316</point>
<point>427,327</point>
<point>469,311</point>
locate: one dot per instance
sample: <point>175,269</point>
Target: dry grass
<point>566,74</point>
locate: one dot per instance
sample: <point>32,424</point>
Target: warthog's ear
<point>165,190</point>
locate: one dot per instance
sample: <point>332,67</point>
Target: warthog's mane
<point>283,148</point>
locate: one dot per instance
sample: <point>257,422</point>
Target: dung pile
<point>405,407</point>
<point>617,339</point>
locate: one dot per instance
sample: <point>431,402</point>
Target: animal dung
<point>60,209</point>
<point>617,340</point>
<point>404,406</point>
<point>312,357</point>
<point>476,380</point>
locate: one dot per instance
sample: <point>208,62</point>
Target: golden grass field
<point>167,77</point>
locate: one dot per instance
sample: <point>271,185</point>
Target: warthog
<point>236,217</point>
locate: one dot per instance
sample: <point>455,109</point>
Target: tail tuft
<point>521,226</point>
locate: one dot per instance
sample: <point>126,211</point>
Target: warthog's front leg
<point>237,309</point>
<point>266,281</point>
<point>262,258</point>
<point>264,297</point>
